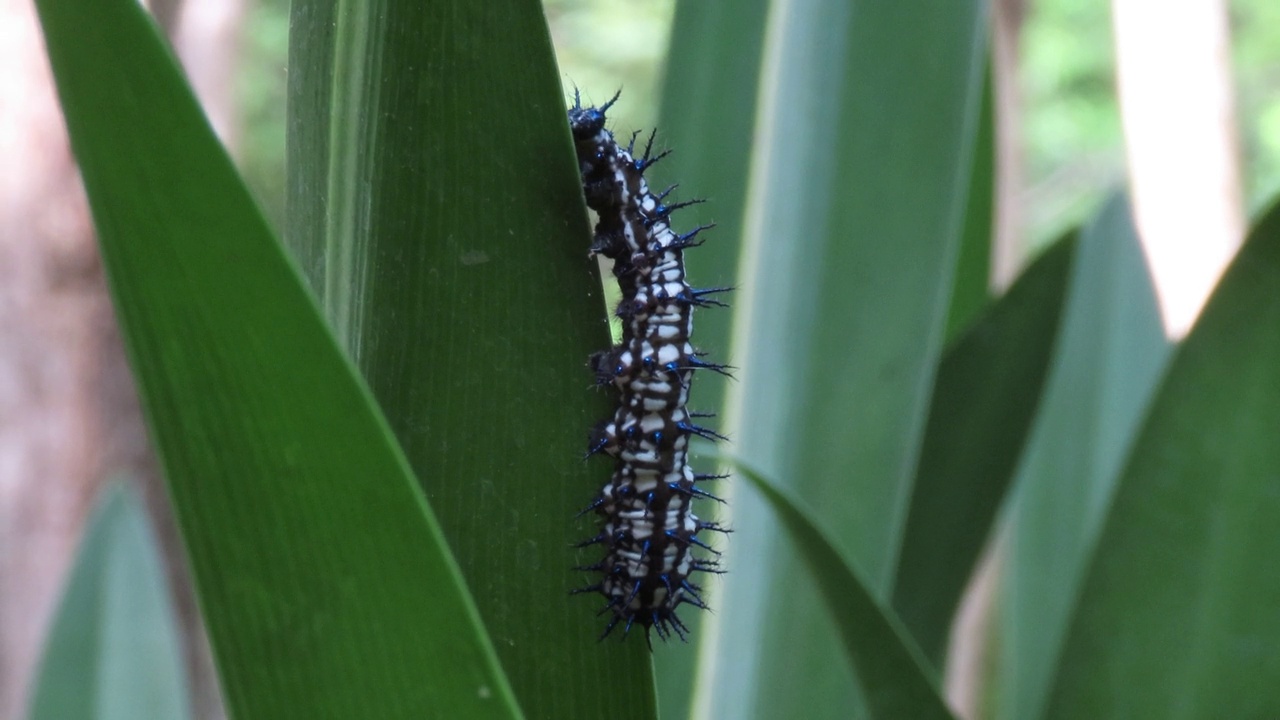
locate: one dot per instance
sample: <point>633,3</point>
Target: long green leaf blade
<point>970,294</point>
<point>1108,360</point>
<point>708,119</point>
<point>1178,615</point>
<point>898,680</point>
<point>325,582</point>
<point>988,388</point>
<point>449,240</point>
<point>113,652</point>
<point>857,200</point>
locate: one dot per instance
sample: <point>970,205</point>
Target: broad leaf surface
<point>438,208</point>
<point>858,185</point>
<point>323,577</point>
<point>1177,618</point>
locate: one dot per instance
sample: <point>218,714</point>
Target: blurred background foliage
<point>1074,147</point>
<point>1071,157</point>
<point>601,45</point>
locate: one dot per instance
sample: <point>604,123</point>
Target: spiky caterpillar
<point>649,528</point>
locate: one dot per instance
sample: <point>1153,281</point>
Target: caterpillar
<point>649,530</point>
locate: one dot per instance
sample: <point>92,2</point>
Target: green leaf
<point>438,205</point>
<point>324,579</point>
<point>970,295</point>
<point>1177,618</point>
<point>896,676</point>
<point>988,388</point>
<point>1108,359</point>
<point>113,651</point>
<point>710,91</point>
<point>708,119</point>
<point>861,165</point>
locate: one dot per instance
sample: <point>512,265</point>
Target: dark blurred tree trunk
<point>69,415</point>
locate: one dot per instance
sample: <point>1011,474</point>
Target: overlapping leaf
<point>324,579</point>
<point>988,389</point>
<point>1109,358</point>
<point>896,678</point>
<point>861,164</point>
<point>1177,618</point>
<point>114,651</point>
<point>437,205</point>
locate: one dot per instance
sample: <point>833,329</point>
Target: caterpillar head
<point>587,122</point>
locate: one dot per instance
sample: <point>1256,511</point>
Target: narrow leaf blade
<point>970,294</point>
<point>113,651</point>
<point>988,389</point>
<point>325,582</point>
<point>895,676</point>
<point>710,91</point>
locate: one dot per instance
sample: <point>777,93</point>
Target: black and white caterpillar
<point>649,529</point>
